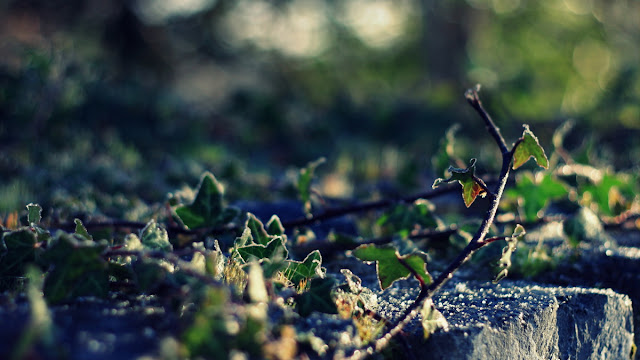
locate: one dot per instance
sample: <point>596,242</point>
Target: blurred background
<point>107,105</point>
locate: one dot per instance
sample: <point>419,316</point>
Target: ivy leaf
<point>78,269</point>
<point>81,230</point>
<point>274,226</point>
<point>527,148</point>
<point>258,233</point>
<point>297,271</point>
<point>304,183</point>
<point>505,260</point>
<point>613,193</point>
<point>403,219</point>
<point>207,209</point>
<point>155,237</point>
<point>432,319</point>
<point>533,193</point>
<point>17,249</point>
<point>34,213</point>
<point>466,177</point>
<point>445,152</point>
<point>275,248</point>
<point>317,298</point>
<point>244,240</point>
<point>389,263</point>
<point>214,261</point>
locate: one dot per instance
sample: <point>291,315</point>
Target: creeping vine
<point>427,290</point>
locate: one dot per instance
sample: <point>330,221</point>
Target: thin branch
<point>483,186</point>
<point>474,100</point>
<point>476,242</point>
<point>302,221</point>
<point>328,248</point>
<point>366,206</point>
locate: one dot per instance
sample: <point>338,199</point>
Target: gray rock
<point>518,320</point>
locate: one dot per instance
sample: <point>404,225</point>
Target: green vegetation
<point>198,258</point>
<point>113,120</point>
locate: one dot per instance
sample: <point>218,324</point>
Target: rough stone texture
<point>521,321</point>
<point>615,265</point>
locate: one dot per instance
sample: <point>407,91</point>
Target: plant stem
<point>478,240</point>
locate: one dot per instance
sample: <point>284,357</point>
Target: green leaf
<point>402,219</point>
<point>470,187</point>
<point>155,237</point>
<point>445,154</point>
<point>245,239</point>
<point>78,269</point>
<point>317,298</point>
<point>310,267</point>
<point>258,233</point>
<point>613,193</point>
<point>532,193</point>
<point>390,265</point>
<point>275,248</point>
<point>527,148</point>
<point>505,260</point>
<point>304,183</point>
<point>432,319</point>
<point>207,209</point>
<point>208,335</point>
<point>34,213</point>
<point>81,230</point>
<point>274,226</point>
<point>17,250</point>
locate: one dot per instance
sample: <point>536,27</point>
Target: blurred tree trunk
<point>444,39</point>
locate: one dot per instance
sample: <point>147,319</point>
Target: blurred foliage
<point>139,97</point>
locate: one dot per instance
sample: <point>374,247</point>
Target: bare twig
<point>366,206</point>
<point>478,240</point>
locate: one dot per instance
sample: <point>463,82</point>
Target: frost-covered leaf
<point>310,267</point>
<point>470,187</point>
<point>215,261</point>
<point>317,298</point>
<point>81,230</point>
<point>207,208</point>
<point>274,226</point>
<point>258,233</point>
<point>155,237</point>
<point>275,248</point>
<point>389,263</point>
<point>304,183</point>
<point>432,319</point>
<point>256,288</point>
<point>78,269</point>
<point>445,154</point>
<point>17,250</point>
<point>527,148</point>
<point>34,214</point>
<point>505,260</point>
<point>353,282</point>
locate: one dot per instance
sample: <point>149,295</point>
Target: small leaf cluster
<point>241,285</point>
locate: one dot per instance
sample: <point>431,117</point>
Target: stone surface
<point>519,320</point>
